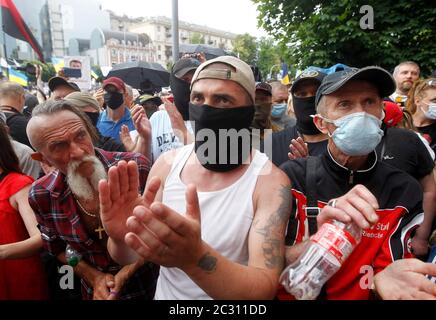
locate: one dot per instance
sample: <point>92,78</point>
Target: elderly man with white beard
<point>67,207</point>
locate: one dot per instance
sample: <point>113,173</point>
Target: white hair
<point>84,187</point>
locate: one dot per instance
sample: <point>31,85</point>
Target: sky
<point>237,16</point>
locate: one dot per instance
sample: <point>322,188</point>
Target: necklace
<point>100,229</point>
<point>84,210</point>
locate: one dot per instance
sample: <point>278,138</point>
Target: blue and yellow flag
<point>58,63</point>
<point>285,75</point>
<point>17,76</point>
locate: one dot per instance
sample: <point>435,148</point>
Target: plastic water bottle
<point>72,256</point>
<point>326,252</point>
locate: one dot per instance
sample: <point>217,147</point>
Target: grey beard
<point>85,188</point>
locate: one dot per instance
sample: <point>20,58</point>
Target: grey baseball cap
<point>377,76</point>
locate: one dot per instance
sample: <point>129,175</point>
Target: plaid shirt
<point>60,224</point>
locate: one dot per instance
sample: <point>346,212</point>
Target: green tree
<point>196,38</point>
<point>322,33</point>
<point>246,46</point>
<point>268,56</point>
<point>48,70</point>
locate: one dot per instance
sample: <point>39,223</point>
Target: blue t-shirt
<point>109,128</point>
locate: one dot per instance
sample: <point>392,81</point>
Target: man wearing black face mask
<point>167,135</point>
<point>226,242</point>
<point>263,104</point>
<point>86,103</point>
<point>116,114</point>
<point>303,138</point>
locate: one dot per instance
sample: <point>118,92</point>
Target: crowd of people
<point>209,192</point>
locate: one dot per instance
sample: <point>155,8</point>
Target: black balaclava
<point>216,119</point>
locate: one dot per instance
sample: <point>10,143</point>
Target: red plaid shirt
<point>60,224</point>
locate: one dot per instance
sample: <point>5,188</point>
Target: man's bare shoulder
<point>271,175</point>
<point>163,164</point>
<point>273,188</point>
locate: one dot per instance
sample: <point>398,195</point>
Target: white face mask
<point>431,112</point>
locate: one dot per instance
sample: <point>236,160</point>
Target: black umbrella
<point>209,51</point>
<point>141,75</point>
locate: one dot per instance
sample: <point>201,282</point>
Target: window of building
<point>158,47</point>
<point>159,57</point>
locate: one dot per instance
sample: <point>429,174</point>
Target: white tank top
<point>226,217</point>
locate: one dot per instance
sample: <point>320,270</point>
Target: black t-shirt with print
<point>429,132</point>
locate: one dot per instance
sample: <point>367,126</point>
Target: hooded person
<point>303,138</point>
<point>165,136</point>
<point>180,80</point>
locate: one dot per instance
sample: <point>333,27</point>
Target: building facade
<point>108,47</point>
<point>160,33</point>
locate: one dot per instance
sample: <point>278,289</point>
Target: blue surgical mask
<point>357,134</point>
<point>278,110</point>
<point>431,112</point>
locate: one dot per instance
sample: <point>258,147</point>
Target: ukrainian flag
<point>285,75</point>
<point>17,76</point>
<point>58,63</point>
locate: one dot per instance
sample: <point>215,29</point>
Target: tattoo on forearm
<point>273,241</point>
<point>207,263</point>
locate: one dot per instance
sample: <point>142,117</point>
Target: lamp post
<point>175,27</point>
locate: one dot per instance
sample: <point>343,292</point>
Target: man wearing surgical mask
<point>349,184</point>
<point>117,113</point>
<point>280,97</point>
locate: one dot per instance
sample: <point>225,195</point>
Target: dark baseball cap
<point>55,82</point>
<point>308,75</point>
<point>263,86</point>
<point>185,65</point>
<point>377,76</point>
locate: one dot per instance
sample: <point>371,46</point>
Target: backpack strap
<point>311,209</point>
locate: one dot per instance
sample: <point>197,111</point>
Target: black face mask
<point>113,100</point>
<point>303,108</point>
<point>262,116</point>
<point>213,154</point>
<point>182,92</point>
<point>93,117</point>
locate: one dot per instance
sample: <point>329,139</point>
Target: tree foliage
<point>322,33</point>
<point>196,38</point>
<point>268,56</point>
<point>246,47</point>
<point>48,70</point>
